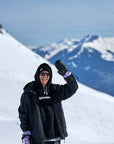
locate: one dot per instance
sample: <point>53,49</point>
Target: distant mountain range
<point>91,59</point>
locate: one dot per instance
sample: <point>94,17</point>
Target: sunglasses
<point>43,74</point>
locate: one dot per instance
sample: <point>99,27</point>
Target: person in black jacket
<point>40,111</point>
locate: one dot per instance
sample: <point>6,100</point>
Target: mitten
<point>26,137</point>
<point>62,69</point>
<point>26,140</point>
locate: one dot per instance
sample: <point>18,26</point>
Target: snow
<point>89,113</point>
<point>103,45</point>
<point>87,68</point>
<point>55,48</point>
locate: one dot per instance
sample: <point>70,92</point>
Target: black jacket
<point>29,110</point>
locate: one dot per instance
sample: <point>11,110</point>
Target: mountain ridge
<point>91,57</point>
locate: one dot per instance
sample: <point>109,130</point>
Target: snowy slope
<point>89,114</point>
<point>92,56</point>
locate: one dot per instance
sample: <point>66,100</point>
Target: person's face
<point>44,77</point>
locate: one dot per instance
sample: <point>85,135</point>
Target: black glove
<point>62,69</point>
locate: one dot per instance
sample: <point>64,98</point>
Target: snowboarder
<point>40,111</point>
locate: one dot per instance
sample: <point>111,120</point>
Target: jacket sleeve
<point>67,90</point>
<point>24,112</point>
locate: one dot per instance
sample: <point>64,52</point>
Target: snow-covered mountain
<point>91,58</point>
<point>89,113</point>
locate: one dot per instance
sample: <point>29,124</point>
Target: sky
<point>41,22</point>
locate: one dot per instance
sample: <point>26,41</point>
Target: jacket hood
<point>43,67</point>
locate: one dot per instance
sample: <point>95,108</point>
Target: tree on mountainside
<point>1,26</point>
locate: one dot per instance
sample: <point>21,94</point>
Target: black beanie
<point>44,67</point>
